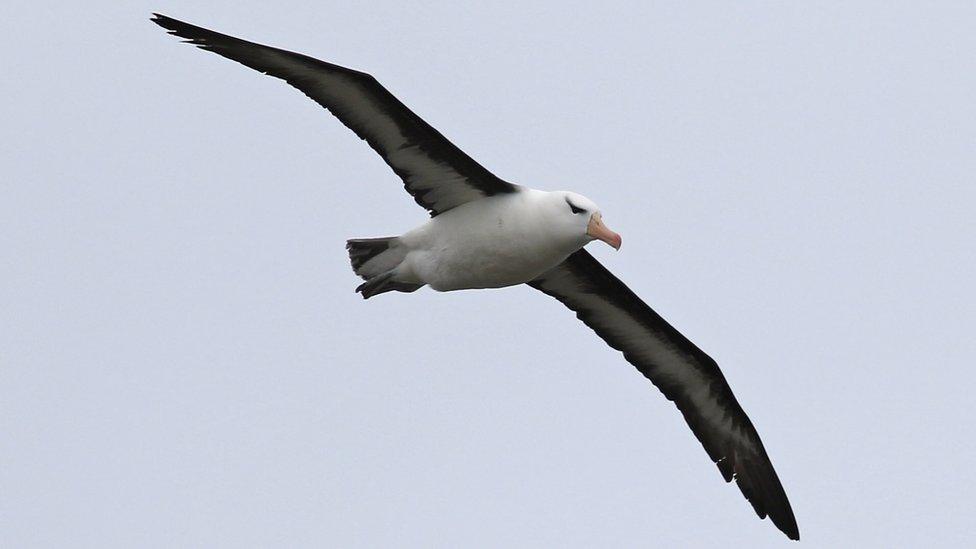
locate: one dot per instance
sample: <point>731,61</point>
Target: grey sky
<point>183,361</point>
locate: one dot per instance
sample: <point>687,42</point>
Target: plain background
<point>183,361</point>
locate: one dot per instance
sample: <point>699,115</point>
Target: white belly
<point>490,243</point>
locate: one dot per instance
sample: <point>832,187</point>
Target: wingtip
<point>791,529</point>
<point>173,26</point>
<point>787,525</point>
<point>165,21</point>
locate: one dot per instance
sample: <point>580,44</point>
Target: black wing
<point>435,172</point>
<point>682,371</point>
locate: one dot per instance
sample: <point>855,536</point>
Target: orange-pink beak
<point>599,231</point>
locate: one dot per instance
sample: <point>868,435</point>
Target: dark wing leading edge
<point>435,172</point>
<point>684,373</point>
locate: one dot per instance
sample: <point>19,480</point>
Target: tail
<point>362,250</point>
<point>374,260</point>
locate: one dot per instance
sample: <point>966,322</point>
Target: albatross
<point>485,232</point>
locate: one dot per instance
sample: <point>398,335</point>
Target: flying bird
<point>488,233</point>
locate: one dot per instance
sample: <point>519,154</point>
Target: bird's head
<point>579,216</point>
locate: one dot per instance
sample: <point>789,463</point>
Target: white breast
<point>494,242</point>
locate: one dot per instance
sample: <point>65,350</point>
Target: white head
<point>577,217</point>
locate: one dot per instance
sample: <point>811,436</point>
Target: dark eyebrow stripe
<point>574,207</point>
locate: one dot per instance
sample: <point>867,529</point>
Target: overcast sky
<point>183,361</point>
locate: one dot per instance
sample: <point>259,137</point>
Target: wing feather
<point>434,171</point>
<point>682,371</point>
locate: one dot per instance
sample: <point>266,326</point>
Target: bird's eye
<point>574,208</point>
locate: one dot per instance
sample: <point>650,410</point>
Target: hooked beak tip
<point>599,231</point>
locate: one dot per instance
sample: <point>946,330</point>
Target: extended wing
<point>435,172</point>
<point>682,371</point>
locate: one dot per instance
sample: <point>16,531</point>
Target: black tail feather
<point>362,250</point>
<point>379,275</point>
